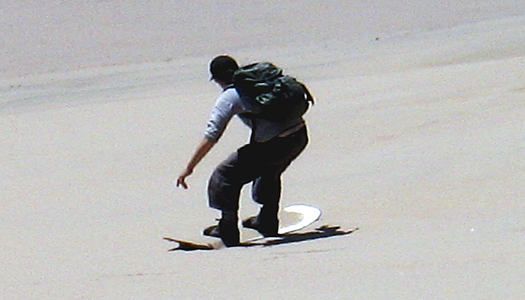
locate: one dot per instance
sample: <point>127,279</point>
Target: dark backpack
<point>280,97</point>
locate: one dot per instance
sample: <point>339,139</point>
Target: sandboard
<point>309,214</point>
<point>306,216</point>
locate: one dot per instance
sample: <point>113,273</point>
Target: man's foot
<point>212,231</point>
<point>251,223</point>
<point>228,232</point>
<point>266,231</point>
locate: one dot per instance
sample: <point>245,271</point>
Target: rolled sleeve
<point>226,106</point>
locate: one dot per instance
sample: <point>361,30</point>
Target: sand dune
<point>417,138</point>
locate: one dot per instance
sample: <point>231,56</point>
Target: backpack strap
<point>231,86</point>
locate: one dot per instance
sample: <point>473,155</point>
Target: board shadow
<point>322,232</point>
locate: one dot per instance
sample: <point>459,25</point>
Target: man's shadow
<point>322,232</point>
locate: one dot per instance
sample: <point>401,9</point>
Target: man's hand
<point>202,149</point>
<point>181,181</point>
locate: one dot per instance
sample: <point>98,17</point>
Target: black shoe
<point>251,223</point>
<point>266,231</point>
<point>226,231</point>
<point>212,231</point>
<point>229,232</point>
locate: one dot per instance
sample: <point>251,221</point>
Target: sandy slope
<point>417,139</point>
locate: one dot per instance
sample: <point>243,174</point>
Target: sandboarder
<point>273,145</point>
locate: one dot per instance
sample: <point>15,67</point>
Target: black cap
<point>222,68</point>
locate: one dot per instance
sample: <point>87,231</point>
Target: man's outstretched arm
<point>202,149</point>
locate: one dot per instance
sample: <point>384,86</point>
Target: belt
<point>292,130</point>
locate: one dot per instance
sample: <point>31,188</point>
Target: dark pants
<point>260,163</point>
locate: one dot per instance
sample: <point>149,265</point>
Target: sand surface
<point>417,138</point>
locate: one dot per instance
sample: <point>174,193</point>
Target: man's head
<point>222,68</point>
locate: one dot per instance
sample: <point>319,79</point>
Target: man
<point>272,147</point>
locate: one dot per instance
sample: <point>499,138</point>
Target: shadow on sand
<point>319,233</point>
<point>322,232</point>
